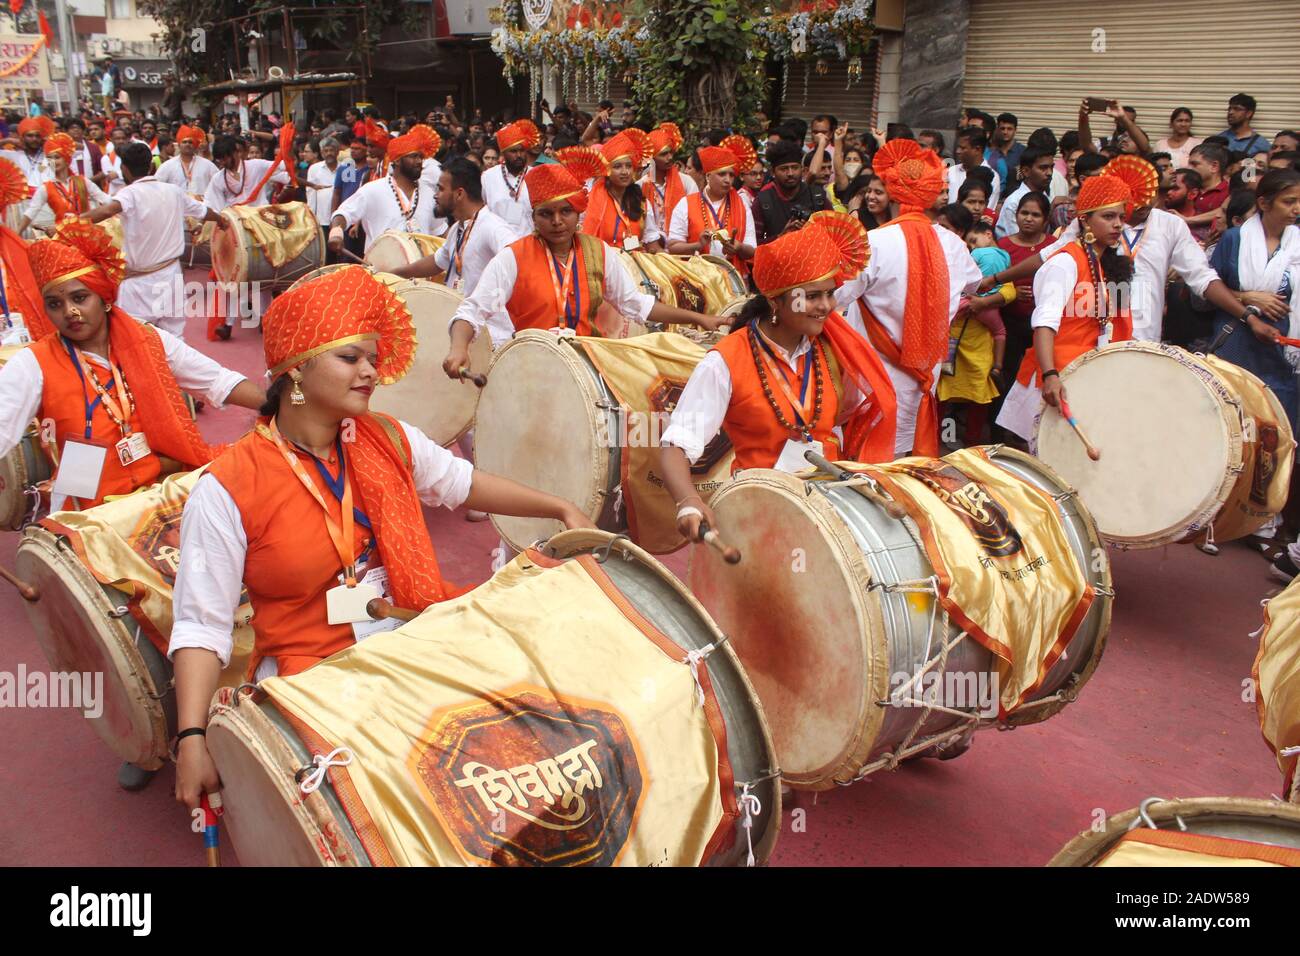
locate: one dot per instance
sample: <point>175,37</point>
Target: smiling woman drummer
<point>791,377</point>
<point>317,510</point>
<point>617,211</point>
<point>110,385</point>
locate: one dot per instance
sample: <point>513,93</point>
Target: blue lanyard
<point>570,318</point>
<point>807,375</point>
<point>4,299</point>
<point>90,406</point>
<point>726,209</point>
<point>335,486</point>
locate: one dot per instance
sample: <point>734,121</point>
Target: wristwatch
<point>1249,311</point>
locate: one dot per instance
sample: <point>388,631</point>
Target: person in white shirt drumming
<point>395,202</point>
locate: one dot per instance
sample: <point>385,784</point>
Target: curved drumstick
<point>710,537</point>
<point>892,507</point>
<point>353,256</point>
<point>27,591</point>
<point>1088,446</point>
<point>477,379</point>
<point>381,610</point>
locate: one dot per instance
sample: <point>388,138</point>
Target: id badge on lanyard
<point>792,455</point>
<point>81,466</point>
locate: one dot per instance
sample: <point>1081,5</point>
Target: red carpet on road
<point>1168,713</point>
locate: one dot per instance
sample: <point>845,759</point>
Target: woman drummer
<point>110,386</point>
<point>1079,302</point>
<point>255,518</point>
<point>791,377</point>
<point>617,212</point>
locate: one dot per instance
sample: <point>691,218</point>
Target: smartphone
<point>1097,104</point>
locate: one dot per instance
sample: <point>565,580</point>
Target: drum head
<point>392,249</point>
<point>230,250</point>
<point>76,630</point>
<point>270,821</point>
<point>425,397</point>
<point>1170,442</point>
<point>797,611</point>
<point>537,424</point>
<point>1235,818</point>
<point>13,488</point>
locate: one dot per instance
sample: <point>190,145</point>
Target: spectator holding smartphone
<point>788,199</point>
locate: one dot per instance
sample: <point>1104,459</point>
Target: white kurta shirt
<point>196,183</point>
<point>957,176</point>
<point>22,384</point>
<point>227,190</point>
<point>1161,243</point>
<point>321,201</point>
<point>111,166</point>
<point>883,284</point>
<point>153,231</point>
<point>704,401</point>
<point>486,236</point>
<point>486,308</point>
<point>40,202</point>
<point>507,196</point>
<point>214,547</point>
<point>374,206</point>
<point>35,169</point>
<point>679,227</point>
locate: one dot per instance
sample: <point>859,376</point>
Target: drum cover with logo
<point>396,248</point>
<point>812,613</point>
<point>238,256</point>
<point>1171,434</point>
<point>1223,831</point>
<point>264,742</point>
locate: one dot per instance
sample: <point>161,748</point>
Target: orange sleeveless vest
<point>532,303</point>
<point>751,424</point>
<point>697,221</point>
<point>1079,331</point>
<point>58,198</point>
<point>63,401</point>
<point>291,561</point>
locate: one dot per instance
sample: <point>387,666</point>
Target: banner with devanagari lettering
<point>132,544</point>
<point>529,722</point>
<point>23,62</point>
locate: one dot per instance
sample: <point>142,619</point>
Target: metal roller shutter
<point>831,92</point>
<point>1037,60</point>
<point>587,99</point>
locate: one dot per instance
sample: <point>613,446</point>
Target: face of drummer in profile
<point>338,384</point>
<point>803,310</point>
<point>446,198</point>
<point>515,158</point>
<point>556,223</point>
<point>1106,225</point>
<point>76,311</point>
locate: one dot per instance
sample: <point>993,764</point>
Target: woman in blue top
<point>1260,261</point>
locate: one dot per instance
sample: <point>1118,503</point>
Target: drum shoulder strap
<point>593,258</point>
<point>390,428</point>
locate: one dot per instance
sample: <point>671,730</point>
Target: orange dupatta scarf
<point>869,431</point>
<point>21,289</point>
<point>606,220</point>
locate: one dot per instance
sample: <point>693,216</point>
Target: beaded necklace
<point>817,358</point>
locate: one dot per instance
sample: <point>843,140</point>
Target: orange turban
<point>1142,179</point>
<point>400,146</point>
<point>376,135</point>
<point>665,136</point>
<point>522,132</point>
<point>913,176</point>
<point>13,185</point>
<point>81,250</point>
<point>20,286</point>
<point>341,307</point>
<point>624,146</point>
<point>1102,192</point>
<point>554,182</point>
<point>36,124</point>
<point>833,245</point>
<point>60,144</point>
<point>714,159</point>
<point>430,141</point>
<point>192,135</point>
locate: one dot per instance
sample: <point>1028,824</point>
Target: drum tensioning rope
<point>858,483</point>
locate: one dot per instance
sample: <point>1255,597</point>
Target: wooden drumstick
<point>1092,451</point>
<point>353,256</point>
<point>479,380</point>
<point>381,610</point>
<point>713,539</point>
<point>28,591</point>
<point>892,507</point>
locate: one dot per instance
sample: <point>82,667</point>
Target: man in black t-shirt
<point>787,199</point>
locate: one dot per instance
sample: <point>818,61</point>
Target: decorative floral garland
<point>31,54</point>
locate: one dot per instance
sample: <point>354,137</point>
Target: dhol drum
<point>1201,832</point>
<point>833,613</point>
<point>1191,447</point>
<point>580,418</point>
<point>425,397</point>
<point>198,243</point>
<point>1277,684</point>
<point>519,725</point>
<point>706,284</point>
<point>105,579</point>
<point>24,472</point>
<point>396,248</point>
<point>275,245</point>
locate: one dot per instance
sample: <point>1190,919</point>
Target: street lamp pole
<point>66,40</point>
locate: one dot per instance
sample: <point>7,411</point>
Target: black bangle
<point>1051,371</point>
<point>191,732</point>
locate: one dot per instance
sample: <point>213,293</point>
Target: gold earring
<point>296,397</point>
<point>1088,236</point>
